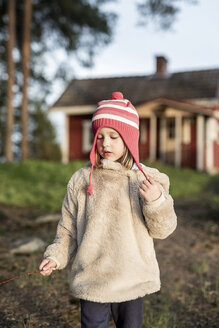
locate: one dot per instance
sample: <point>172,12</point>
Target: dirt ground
<point>188,261</point>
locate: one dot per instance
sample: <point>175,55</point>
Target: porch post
<point>178,141</point>
<point>65,141</point>
<point>209,144</point>
<point>163,137</point>
<point>200,143</point>
<point>153,137</point>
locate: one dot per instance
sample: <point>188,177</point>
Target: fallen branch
<point>19,276</point>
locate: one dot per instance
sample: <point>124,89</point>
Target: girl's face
<point>109,144</point>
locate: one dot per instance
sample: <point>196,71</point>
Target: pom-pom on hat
<point>119,114</point>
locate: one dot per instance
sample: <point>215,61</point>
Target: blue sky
<point>191,44</point>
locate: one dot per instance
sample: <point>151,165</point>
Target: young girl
<point>112,210</point>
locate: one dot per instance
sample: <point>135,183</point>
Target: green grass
<point>184,182</point>
<point>42,184</point>
<point>39,184</point>
<point>158,312</point>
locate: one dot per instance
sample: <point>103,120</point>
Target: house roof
<point>163,102</point>
<point>139,89</point>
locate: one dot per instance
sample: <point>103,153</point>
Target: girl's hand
<point>46,267</point>
<point>150,190</point>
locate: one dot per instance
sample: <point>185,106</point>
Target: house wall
<point>188,155</point>
<point>216,155</point>
<point>211,144</point>
<point>205,156</point>
<point>188,144</point>
<point>75,137</point>
<point>144,141</point>
<point>158,139</point>
<point>216,144</point>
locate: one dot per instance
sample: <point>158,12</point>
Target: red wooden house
<point>179,115</point>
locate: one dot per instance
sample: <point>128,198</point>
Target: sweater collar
<point>107,164</point>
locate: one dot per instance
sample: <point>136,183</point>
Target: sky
<point>191,44</point>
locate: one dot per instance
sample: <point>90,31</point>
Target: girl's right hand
<point>46,267</point>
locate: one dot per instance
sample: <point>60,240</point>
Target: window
<point>171,128</point>
<point>143,131</point>
<point>87,136</point>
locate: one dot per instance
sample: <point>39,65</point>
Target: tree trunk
<point>25,69</point>
<point>10,108</point>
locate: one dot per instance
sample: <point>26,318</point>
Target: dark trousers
<point>125,314</point>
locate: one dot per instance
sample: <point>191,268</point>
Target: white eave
<point>74,110</point>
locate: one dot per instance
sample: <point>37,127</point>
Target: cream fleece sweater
<point>108,236</point>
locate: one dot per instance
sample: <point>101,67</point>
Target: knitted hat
<point>119,114</point>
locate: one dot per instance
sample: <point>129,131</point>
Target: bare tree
<point>10,107</point>
<point>26,72</point>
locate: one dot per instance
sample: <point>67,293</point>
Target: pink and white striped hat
<point>119,114</point>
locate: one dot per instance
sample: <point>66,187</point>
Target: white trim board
<point>74,110</point>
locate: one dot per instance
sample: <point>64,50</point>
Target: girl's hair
<point>126,160</point>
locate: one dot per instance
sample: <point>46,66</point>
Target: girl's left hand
<point>150,190</point>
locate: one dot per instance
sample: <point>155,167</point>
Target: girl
<point>112,210</point>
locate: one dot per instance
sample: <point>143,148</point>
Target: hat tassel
<point>90,187</point>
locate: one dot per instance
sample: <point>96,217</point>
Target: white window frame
<point>86,136</point>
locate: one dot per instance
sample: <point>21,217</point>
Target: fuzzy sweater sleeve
<point>160,216</point>
<point>64,245</point>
